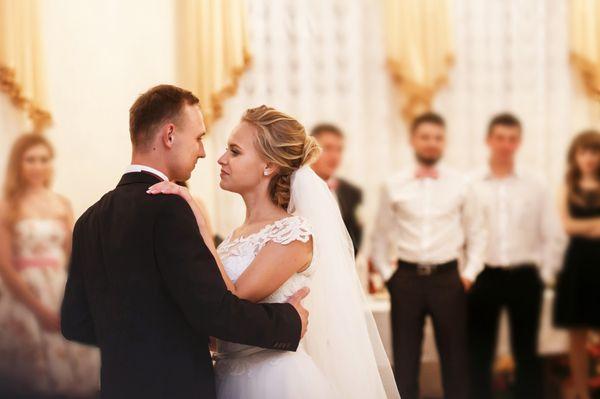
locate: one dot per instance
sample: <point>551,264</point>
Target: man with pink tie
<point>427,221</point>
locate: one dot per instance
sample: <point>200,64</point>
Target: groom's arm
<point>75,318</point>
<point>195,283</point>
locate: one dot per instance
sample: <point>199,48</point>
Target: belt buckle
<point>424,270</point>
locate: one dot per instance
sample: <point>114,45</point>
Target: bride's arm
<point>203,226</point>
<point>267,272</point>
<point>209,229</point>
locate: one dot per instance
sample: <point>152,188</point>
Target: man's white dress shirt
<point>522,221</point>
<point>428,221</point>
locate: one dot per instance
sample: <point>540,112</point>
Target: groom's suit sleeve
<point>75,318</point>
<point>193,279</point>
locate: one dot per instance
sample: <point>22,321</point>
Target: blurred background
<point>69,70</point>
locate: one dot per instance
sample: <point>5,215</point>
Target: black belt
<point>511,267</point>
<point>428,269</point>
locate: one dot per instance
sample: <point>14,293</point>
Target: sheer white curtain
<point>324,60</point>
<point>512,55</point>
<point>319,60</point>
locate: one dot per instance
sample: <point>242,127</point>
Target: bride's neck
<point>259,207</point>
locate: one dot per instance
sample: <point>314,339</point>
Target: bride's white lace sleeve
<point>290,229</point>
<point>286,231</point>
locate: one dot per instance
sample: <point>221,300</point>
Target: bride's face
<point>242,168</point>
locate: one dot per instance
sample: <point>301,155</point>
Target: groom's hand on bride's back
<point>296,301</point>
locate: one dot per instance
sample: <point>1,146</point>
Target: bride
<point>293,236</point>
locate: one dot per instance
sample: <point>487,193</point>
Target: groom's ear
<point>167,135</point>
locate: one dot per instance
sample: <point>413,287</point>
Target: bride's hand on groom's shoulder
<point>167,187</point>
<point>171,188</point>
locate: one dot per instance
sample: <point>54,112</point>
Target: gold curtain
<point>419,48</point>
<point>21,63</point>
<point>212,50</point>
<point>585,42</point>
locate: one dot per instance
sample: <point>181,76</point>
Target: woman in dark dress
<point>577,305</point>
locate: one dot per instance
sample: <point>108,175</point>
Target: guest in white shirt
<point>525,244</point>
<point>427,221</point>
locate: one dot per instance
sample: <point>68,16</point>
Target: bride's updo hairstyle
<point>281,140</point>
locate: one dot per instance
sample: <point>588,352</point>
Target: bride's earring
<point>266,172</point>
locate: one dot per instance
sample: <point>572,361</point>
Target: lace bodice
<point>238,254</point>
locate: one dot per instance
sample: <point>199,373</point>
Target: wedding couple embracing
<point>148,287</point>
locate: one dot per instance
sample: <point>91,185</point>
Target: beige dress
<point>32,359</point>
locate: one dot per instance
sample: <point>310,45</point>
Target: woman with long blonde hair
<point>577,306</point>
<point>35,239</point>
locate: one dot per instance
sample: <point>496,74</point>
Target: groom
<point>143,286</point>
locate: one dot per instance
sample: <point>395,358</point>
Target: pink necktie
<point>424,173</point>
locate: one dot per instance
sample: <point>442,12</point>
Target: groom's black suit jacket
<point>145,289</point>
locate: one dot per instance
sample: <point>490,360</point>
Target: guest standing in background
<point>577,305</point>
<point>428,219</point>
<point>525,243</point>
<point>349,197</point>
<point>35,240</point>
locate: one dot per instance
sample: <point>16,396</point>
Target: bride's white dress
<point>246,372</point>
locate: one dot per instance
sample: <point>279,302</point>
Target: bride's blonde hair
<point>281,140</point>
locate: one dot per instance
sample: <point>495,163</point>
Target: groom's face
<point>187,146</point>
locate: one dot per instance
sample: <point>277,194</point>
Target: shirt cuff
<point>386,272</point>
<point>548,277</point>
<point>470,273</point>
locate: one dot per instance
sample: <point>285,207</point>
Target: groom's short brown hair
<point>154,107</point>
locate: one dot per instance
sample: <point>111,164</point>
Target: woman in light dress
<point>293,236</point>
<point>35,239</point>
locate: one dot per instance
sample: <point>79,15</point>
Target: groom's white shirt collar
<point>140,168</point>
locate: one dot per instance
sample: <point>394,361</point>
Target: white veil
<point>342,337</point>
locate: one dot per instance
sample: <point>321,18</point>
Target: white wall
<point>100,55</point>
<point>11,124</point>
